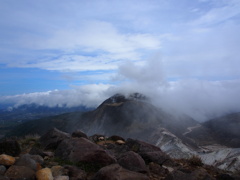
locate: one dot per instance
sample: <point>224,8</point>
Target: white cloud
<point>222,11</point>
<point>201,99</point>
<point>87,95</point>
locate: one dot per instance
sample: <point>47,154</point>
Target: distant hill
<point>13,116</point>
<point>226,129</point>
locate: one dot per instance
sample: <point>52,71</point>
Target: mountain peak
<point>120,98</point>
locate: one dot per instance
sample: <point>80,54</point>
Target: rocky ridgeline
<point>61,156</point>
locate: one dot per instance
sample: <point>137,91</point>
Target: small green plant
<point>195,161</point>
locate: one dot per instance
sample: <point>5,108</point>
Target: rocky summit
<point>57,155</point>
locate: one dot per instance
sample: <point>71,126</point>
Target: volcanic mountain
<point>134,116</point>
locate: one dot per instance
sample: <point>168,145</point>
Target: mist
<point>200,99</point>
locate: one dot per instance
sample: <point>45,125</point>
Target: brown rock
<point>44,174</point>
<point>79,134</point>
<point>176,175</point>
<point>116,172</point>
<point>158,170</point>
<point>20,172</point>
<point>26,160</point>
<point>57,170</point>
<point>10,147</point>
<point>83,150</point>
<point>157,157</point>
<point>37,151</point>
<point>76,173</point>
<point>140,146</point>
<point>61,178</point>
<point>7,160</point>
<point>53,138</point>
<point>133,162</point>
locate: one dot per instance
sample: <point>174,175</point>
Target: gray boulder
<point>53,138</point>
<point>27,161</point>
<point>20,172</point>
<point>133,162</point>
<point>79,134</point>
<point>83,150</point>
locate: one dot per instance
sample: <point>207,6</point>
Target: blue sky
<point>66,45</point>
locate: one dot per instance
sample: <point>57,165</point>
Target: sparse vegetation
<point>195,161</point>
<point>29,141</point>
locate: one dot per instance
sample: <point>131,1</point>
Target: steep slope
<point>226,129</point>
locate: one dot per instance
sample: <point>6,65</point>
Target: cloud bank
<point>200,99</point>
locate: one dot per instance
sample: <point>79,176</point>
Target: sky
<point>184,54</point>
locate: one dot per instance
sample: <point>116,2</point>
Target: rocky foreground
<point>61,156</point>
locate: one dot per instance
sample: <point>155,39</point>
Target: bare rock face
<point>44,174</point>
<point>53,138</point>
<point>83,150</point>
<point>10,147</point>
<point>116,172</point>
<point>7,160</point>
<point>20,172</point>
<point>133,162</point>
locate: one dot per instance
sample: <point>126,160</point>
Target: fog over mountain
<point>201,99</point>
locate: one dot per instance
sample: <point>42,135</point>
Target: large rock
<point>116,172</point>
<point>26,160</point>
<point>53,138</point>
<point>7,160</point>
<point>57,170</point>
<point>10,147</point>
<point>158,157</point>
<point>44,174</point>
<point>76,173</point>
<point>37,151</point>
<point>20,172</point>
<point>83,150</point>
<point>133,162</point>
<point>79,134</point>
<point>149,152</point>
<point>140,146</point>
